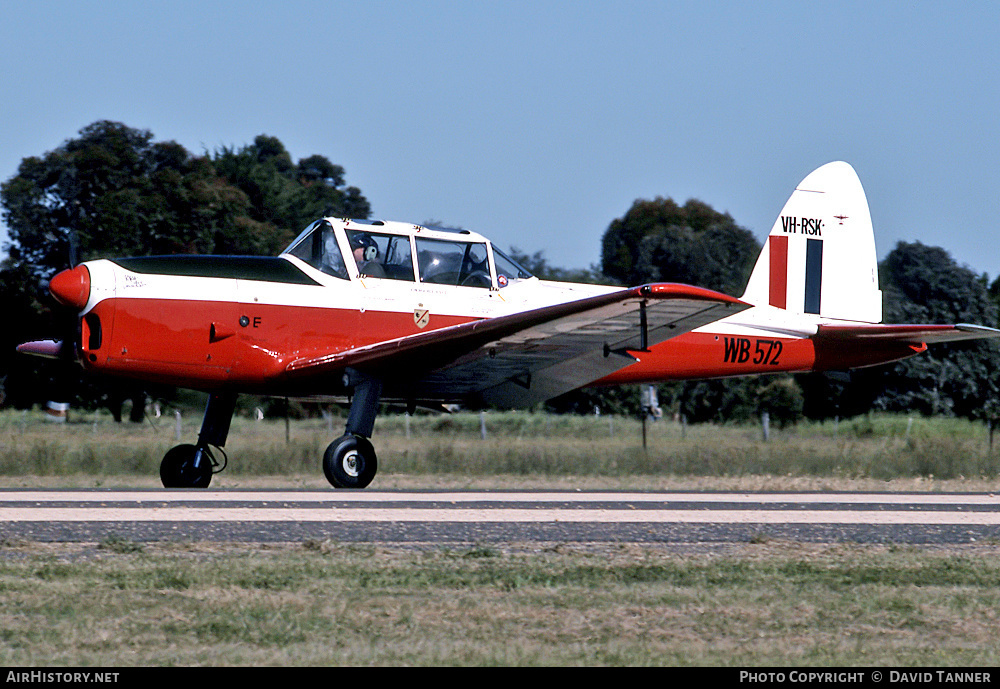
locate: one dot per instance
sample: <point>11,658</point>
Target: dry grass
<point>773,604</point>
<point>521,449</point>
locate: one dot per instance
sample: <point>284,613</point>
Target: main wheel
<point>349,462</point>
<point>186,466</point>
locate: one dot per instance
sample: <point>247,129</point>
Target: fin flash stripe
<point>778,291</point>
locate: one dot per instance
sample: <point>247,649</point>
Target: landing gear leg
<point>192,466</point>
<point>350,461</point>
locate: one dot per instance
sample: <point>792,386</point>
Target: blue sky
<point>538,123</point>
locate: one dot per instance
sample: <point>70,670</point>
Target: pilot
<point>365,252</point>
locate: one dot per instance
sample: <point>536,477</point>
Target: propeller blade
<point>49,349</point>
<point>74,249</point>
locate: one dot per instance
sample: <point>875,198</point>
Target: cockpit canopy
<point>318,246</point>
<point>353,249</point>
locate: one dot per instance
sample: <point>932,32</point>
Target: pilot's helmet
<point>363,240</point>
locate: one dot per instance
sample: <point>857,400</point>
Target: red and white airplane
<point>377,311</point>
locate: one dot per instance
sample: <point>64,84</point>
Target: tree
<point>923,284</point>
<point>540,267</point>
<point>113,191</point>
<point>284,197</point>
<point>116,192</point>
<point>736,399</point>
<point>659,241</point>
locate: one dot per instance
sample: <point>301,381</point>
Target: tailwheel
<point>350,462</point>
<point>187,466</point>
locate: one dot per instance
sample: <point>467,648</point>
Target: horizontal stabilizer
<point>912,334</point>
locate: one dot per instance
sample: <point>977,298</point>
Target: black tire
<point>178,470</point>
<point>350,462</point>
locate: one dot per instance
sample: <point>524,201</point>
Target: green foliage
<point>781,397</point>
<point>118,193</point>
<point>540,267</point>
<point>735,400</point>
<point>283,197</point>
<point>923,284</point>
<point>113,191</point>
<point>659,241</point>
<point>621,400</point>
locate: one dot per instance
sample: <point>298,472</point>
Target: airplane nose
<point>71,287</point>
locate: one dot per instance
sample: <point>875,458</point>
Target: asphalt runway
<point>495,517</point>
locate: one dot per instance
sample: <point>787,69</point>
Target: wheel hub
<point>351,463</point>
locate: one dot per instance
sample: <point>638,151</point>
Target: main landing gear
<point>349,461</point>
<point>192,466</point>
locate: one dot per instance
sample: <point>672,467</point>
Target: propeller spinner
<point>72,287</point>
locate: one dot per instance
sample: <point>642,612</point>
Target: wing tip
<point>678,290</point>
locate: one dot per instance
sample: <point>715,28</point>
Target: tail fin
<point>820,256</point>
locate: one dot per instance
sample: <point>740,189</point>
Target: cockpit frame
<point>355,250</point>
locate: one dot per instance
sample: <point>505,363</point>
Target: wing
<point>530,356</point>
<point>916,335</point>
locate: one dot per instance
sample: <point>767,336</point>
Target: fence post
<point>482,425</point>
<point>765,423</point>
<point>177,418</point>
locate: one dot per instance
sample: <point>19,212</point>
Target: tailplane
<point>820,255</point>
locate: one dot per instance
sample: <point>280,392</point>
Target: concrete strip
<point>368,496</point>
<point>497,515</point>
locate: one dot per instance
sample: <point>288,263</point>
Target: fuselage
<point>235,323</point>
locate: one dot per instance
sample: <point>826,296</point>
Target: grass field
<point>519,449</point>
<point>119,603</point>
<point>770,603</point>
